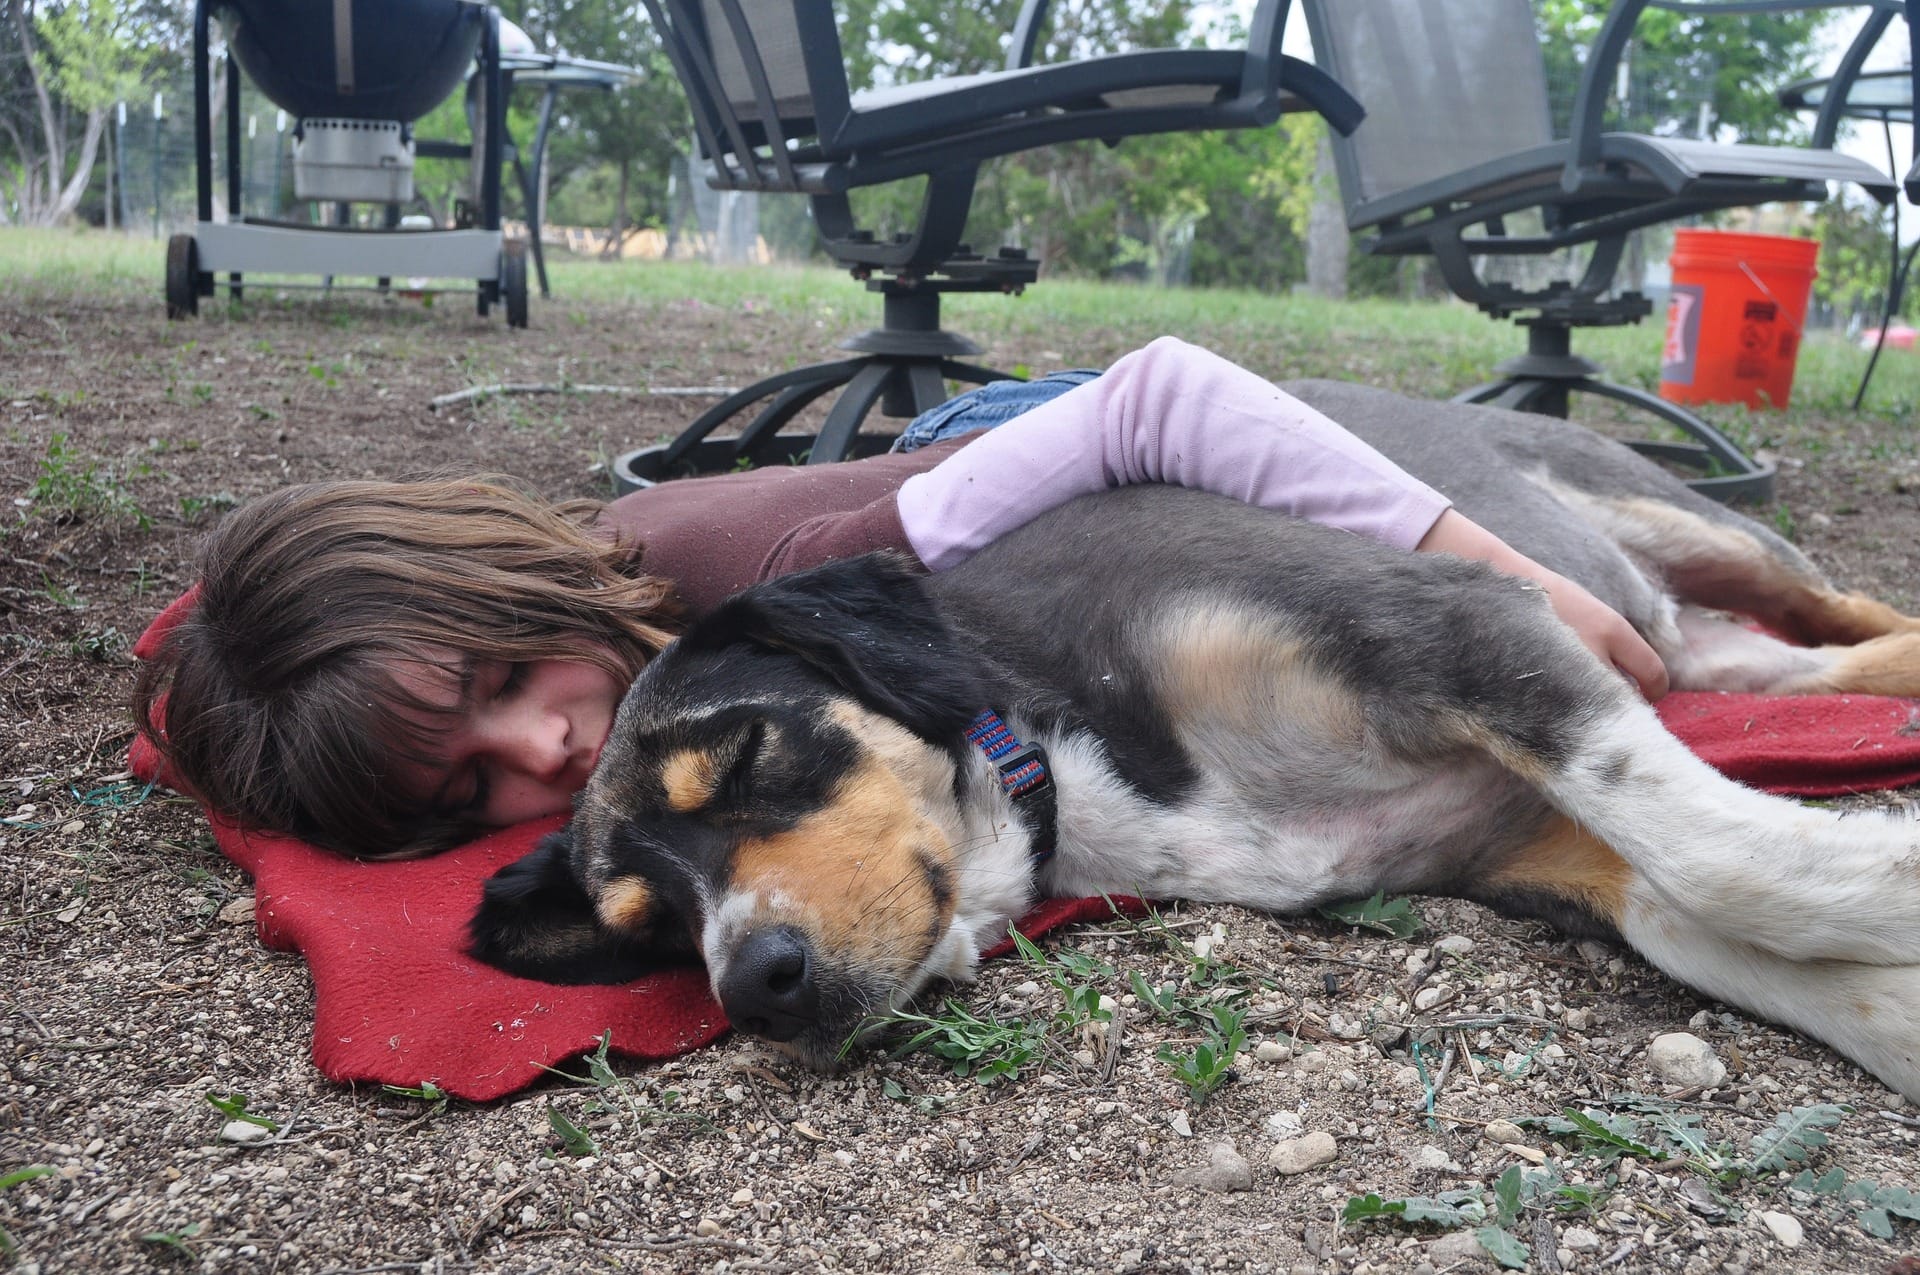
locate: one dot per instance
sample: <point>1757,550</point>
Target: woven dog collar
<point>1024,775</point>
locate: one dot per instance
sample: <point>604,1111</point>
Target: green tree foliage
<point>1855,258</point>
<point>609,153</point>
<point>1216,208</point>
<point>62,68</point>
<point>1732,66</point>
<point>612,152</point>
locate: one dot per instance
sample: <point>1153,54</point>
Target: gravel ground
<point>1414,1068</point>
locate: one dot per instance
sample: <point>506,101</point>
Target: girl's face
<point>516,738</point>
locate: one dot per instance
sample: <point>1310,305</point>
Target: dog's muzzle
<point>768,989</point>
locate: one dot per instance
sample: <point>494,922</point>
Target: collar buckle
<point>1024,772</point>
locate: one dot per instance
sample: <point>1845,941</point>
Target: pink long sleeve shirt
<point>1170,413</point>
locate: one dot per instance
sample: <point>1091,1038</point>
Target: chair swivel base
<point>869,379</point>
<point>902,367</point>
<point>1728,474</point>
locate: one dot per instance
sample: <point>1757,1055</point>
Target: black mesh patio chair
<point>773,112</point>
<point>1458,138</point>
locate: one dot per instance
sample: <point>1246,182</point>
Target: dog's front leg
<point>1870,1013</point>
<point>1803,883</point>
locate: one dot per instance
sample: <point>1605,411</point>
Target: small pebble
<point>1298,1155</point>
<point>1225,1170</point>
<point>1505,1131</point>
<point>1681,1058</point>
<point>1784,1227</point>
<point>1459,1248</point>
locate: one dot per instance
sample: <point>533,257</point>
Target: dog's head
<point>777,797</point>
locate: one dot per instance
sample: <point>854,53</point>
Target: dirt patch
<point>134,985</point>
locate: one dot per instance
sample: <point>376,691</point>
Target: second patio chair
<point>774,112</point>
<point>1458,138</point>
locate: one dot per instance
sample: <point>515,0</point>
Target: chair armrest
<point>1912,10</point>
<point>1590,103</point>
<point>1603,60</point>
<point>1327,96</point>
<point>1026,34</point>
<point>1826,125</point>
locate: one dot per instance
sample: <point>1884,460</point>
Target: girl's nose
<point>535,745</point>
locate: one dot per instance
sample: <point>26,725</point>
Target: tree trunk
<point>617,238</point>
<point>34,194</point>
<point>76,187</point>
<point>1328,239</point>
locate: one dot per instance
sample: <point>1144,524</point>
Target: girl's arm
<point>1169,413</point>
<point>1175,413</point>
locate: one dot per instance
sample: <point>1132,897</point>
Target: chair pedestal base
<point>902,367</point>
<point>1729,475</point>
<point>1549,374</point>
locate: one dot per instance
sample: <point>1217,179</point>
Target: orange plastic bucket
<point>1734,317</point>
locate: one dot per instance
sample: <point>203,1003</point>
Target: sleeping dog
<point>844,784</point>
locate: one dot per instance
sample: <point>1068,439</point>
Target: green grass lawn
<point>1432,348</point>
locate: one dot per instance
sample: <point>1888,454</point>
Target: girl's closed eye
<point>512,677</point>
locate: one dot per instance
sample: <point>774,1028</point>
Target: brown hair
<point>273,699</point>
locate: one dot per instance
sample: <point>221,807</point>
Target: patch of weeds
<point>1873,1206</point>
<point>192,508</point>
<point>614,1096</point>
<point>1209,1065</point>
<point>1495,1216</point>
<point>13,1179</point>
<point>234,1107</point>
<point>1784,524</point>
<point>1658,1132</point>
<point>1668,1134</point>
<point>99,646</point>
<point>1394,917</point>
<point>1207,999</point>
<point>262,413</point>
<point>987,1049</point>
<point>574,1140</point>
<point>69,486</point>
<point>60,595</point>
<point>1072,974</point>
<point>990,1049</point>
<point>925,1103</point>
<point>202,393</point>
<point>433,1095</point>
<point>177,1243</point>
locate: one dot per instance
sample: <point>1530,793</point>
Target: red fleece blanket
<point>397,1000</point>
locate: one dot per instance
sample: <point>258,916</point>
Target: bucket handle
<point>1799,329</point>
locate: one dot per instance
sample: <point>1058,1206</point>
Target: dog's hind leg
<point>1720,654</point>
<point>1726,566</point>
<point>1850,643</point>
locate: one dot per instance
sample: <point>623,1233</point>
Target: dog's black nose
<point>768,989</point>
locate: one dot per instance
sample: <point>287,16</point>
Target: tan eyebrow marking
<point>625,903</point>
<point>689,777</point>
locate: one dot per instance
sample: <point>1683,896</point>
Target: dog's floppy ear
<point>536,921</point>
<point>871,627</point>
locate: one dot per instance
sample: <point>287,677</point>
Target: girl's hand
<point>1604,631</point>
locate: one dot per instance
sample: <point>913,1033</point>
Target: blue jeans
<point>994,403</point>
